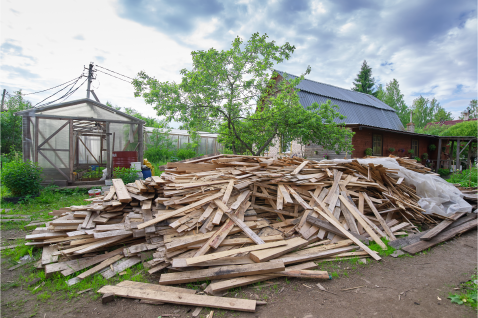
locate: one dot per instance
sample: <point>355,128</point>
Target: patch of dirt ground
<point>422,282</point>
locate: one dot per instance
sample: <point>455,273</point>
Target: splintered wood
<point>256,218</point>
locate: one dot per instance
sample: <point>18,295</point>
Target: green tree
<point>11,125</point>
<point>393,97</point>
<point>427,111</point>
<point>472,109</point>
<point>236,92</point>
<point>364,82</point>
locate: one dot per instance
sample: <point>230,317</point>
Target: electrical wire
<point>50,88</point>
<point>72,85</point>
<point>115,72</point>
<point>113,76</point>
<point>67,94</point>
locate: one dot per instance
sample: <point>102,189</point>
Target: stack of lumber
<point>410,164</point>
<point>235,220</point>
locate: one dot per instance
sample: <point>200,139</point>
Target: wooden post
<point>36,138</point>
<point>438,155</point>
<point>140,143</point>
<point>109,164</point>
<point>457,163</point>
<point>27,139</point>
<point>71,155</point>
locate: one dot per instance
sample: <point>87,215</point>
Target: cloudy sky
<point>429,46</point>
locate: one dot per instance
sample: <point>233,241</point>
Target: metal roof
<point>359,108</point>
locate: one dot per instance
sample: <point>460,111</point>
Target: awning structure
<point>461,143</point>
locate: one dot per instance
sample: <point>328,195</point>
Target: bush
<point>368,151</point>
<point>443,172</point>
<point>128,175</point>
<point>21,178</point>
<point>186,153</point>
<point>158,154</point>
<point>432,147</point>
<point>410,151</point>
<point>418,159</point>
<point>391,149</point>
<point>466,178</point>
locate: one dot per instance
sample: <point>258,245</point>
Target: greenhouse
<point>208,144</point>
<point>80,138</point>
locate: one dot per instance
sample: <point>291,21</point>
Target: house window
<point>377,145</point>
<point>415,147</point>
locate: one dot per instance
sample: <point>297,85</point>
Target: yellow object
<point>149,165</point>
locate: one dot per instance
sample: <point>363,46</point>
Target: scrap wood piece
<point>379,217</point>
<point>241,198</point>
<point>121,191</point>
<point>362,222</point>
<point>299,198</point>
<point>221,272</point>
<point>216,287</point>
<point>299,168</point>
<point>204,258</point>
<point>443,236</point>
<point>181,262</point>
<point>285,193</point>
<point>330,228</point>
<point>182,298</point>
<point>121,266</point>
<point>305,274</point>
<point>350,236</point>
<point>155,287</point>
<point>47,256</point>
<point>305,255</point>
<point>93,246</point>
<point>191,206</point>
<point>110,194</point>
<point>253,236</point>
<point>227,193</point>
<point>268,254</point>
<point>100,266</point>
<point>441,226</point>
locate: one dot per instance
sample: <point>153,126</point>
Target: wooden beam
<point>121,191</point>
<point>271,253</point>
<point>379,217</point>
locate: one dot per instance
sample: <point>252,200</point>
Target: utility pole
<point>3,97</point>
<point>90,79</point>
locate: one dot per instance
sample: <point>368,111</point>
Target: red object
<point>123,159</point>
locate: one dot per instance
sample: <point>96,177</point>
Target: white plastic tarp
<point>437,195</point>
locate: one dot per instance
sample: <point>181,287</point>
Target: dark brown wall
<point>363,140</point>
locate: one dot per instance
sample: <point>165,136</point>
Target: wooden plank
<point>222,206</point>
<point>216,287</point>
<point>101,235</point>
<point>306,274</point>
<point>330,228</point>
<point>205,258</point>
<point>362,222</point>
<point>182,298</point>
<point>181,262</point>
<point>155,287</point>
<point>191,206</point>
<point>220,273</point>
<point>285,194</point>
<point>105,242</point>
<point>240,199</point>
<point>121,192</point>
<point>441,226</point>
<point>228,192</point>
<point>100,266</point>
<point>382,222</point>
<point>300,167</point>
<point>118,268</point>
<point>78,265</point>
<point>299,199</point>
<point>350,236</point>
<point>110,194</point>
<point>253,236</point>
<point>280,200</point>
<point>47,256</point>
<point>271,253</point>
<point>216,220</point>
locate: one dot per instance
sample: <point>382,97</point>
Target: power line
<point>113,76</point>
<point>115,72</point>
<point>67,94</point>
<point>77,79</point>
<point>50,88</point>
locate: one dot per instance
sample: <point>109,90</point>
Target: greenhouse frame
<point>77,134</point>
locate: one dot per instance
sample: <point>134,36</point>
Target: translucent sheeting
<point>84,110</point>
<point>437,195</point>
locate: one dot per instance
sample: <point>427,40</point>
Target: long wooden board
<point>205,258</point>
<point>182,298</point>
<point>442,226</point>
<point>121,191</point>
<point>268,254</point>
<point>220,273</point>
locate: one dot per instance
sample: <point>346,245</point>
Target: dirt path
<point>419,280</point>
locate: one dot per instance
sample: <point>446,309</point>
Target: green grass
<point>468,293</point>
<point>375,247</point>
<point>51,198</point>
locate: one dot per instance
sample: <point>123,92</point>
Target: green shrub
<point>466,178</point>
<point>443,172</point>
<point>158,154</point>
<point>432,147</point>
<point>411,151</point>
<point>418,159</point>
<point>368,151</point>
<point>391,149</point>
<point>128,175</point>
<point>21,178</point>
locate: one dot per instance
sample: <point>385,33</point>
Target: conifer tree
<point>364,82</point>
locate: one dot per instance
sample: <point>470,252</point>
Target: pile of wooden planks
<point>232,219</point>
